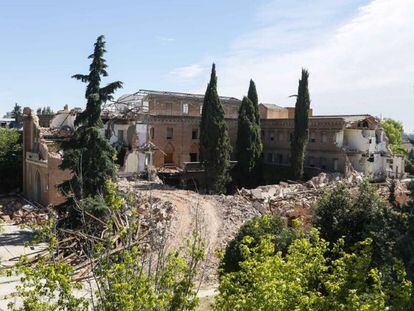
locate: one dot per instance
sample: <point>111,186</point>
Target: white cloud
<point>188,72</point>
<point>165,39</point>
<point>359,63</point>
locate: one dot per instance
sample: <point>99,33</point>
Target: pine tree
<point>252,95</point>
<point>215,148</point>
<point>248,146</point>
<point>88,155</point>
<point>300,135</point>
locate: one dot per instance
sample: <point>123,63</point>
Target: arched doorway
<point>37,188</point>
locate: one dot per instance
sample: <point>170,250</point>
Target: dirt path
<point>192,209</point>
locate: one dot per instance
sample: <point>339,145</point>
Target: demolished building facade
<point>335,143</point>
<point>161,130</point>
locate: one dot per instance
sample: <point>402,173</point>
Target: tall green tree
<point>17,112</point>
<point>215,148</point>
<point>45,111</point>
<point>248,145</point>
<point>252,95</point>
<point>88,155</point>
<point>300,135</point>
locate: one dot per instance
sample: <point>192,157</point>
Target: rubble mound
<point>16,210</point>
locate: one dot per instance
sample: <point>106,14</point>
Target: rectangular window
<point>322,163</point>
<point>194,134</point>
<point>312,137</point>
<point>170,132</point>
<point>311,162</point>
<point>201,110</point>
<point>280,158</point>
<point>185,108</point>
<point>272,135</point>
<point>145,106</point>
<point>270,157</point>
<point>280,136</point>
<point>168,108</point>
<point>290,137</point>
<point>152,133</point>
<point>335,164</point>
<point>324,138</point>
<point>120,136</point>
<point>193,157</point>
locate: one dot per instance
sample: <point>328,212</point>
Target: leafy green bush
<point>257,229</point>
<point>355,217</point>
<point>48,287</point>
<point>307,278</point>
<point>130,263</point>
<point>10,159</point>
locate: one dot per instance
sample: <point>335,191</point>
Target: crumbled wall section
<point>41,173</point>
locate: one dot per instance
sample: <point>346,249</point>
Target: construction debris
<point>164,212</point>
<point>17,210</point>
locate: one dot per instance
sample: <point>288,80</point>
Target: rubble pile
<point>16,210</point>
<point>75,246</point>
<point>234,211</point>
<point>401,191</point>
<point>295,199</point>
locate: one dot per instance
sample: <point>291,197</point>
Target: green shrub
<point>257,229</point>
<point>306,278</point>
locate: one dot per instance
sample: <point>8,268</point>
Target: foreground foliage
<point>131,268</point>
<point>306,278</point>
<point>257,229</point>
<point>47,287</point>
<point>356,217</point>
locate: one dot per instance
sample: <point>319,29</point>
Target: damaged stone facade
<point>160,130</point>
<point>171,121</point>
<point>42,155</point>
<point>335,143</point>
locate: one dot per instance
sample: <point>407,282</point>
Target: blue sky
<point>359,52</point>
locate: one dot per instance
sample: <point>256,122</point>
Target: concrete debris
<point>16,210</point>
<point>169,214</point>
<point>294,200</point>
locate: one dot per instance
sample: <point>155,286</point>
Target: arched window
<point>169,154</point>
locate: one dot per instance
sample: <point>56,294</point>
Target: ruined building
<point>161,130</point>
<point>42,155</point>
<point>335,143</point>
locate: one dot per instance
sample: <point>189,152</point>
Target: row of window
<point>184,108</point>
<point>170,133</point>
<point>321,162</point>
<point>280,136</point>
<point>169,157</point>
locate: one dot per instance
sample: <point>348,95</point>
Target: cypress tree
<point>88,155</point>
<point>252,95</point>
<point>248,146</point>
<point>300,135</point>
<point>215,148</point>
<point>391,188</point>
